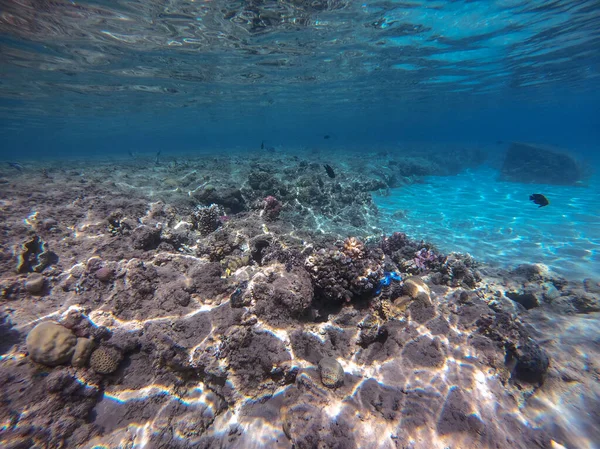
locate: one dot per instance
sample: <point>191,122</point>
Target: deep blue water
<point>106,76</point>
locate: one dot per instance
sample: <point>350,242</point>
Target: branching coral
<point>350,270</point>
<point>206,218</point>
<point>460,270</point>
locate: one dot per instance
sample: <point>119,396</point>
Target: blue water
<point>101,77</point>
<point>494,221</point>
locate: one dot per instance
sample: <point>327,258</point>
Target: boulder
<point>535,164</point>
<point>51,344</point>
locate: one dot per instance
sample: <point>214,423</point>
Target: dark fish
<point>157,156</point>
<point>540,199</point>
<point>16,165</point>
<point>326,136</point>
<point>329,171</point>
<point>262,145</point>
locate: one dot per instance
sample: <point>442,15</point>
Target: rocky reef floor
<point>252,301</point>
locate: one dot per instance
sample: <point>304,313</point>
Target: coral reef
<point>351,270</point>
<point>536,164</point>
<point>280,312</point>
<point>35,256</point>
<point>271,208</point>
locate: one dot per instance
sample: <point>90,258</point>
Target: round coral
<point>83,349</point>
<point>332,373</point>
<point>105,360</point>
<point>51,344</point>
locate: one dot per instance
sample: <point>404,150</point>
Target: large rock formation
<point>534,164</point>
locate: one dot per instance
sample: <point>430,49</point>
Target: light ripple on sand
<point>496,223</point>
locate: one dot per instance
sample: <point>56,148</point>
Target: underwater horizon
<point>300,224</point>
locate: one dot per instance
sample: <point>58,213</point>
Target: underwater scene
<point>300,224</point>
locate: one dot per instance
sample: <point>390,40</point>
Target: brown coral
<point>105,360</point>
<point>349,271</point>
<point>353,247</point>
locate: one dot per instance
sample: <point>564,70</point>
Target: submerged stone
<point>34,283</point>
<point>332,373</point>
<point>51,344</point>
<point>535,164</point>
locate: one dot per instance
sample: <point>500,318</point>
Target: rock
<point>527,298</point>
<point>49,223</point>
<point>416,288</point>
<point>230,198</point>
<point>591,286</point>
<point>332,373</point>
<point>104,274</point>
<point>145,237</point>
<point>35,283</point>
<point>83,349</point>
<point>532,363</point>
<point>531,272</point>
<point>585,302</point>
<point>105,360</point>
<point>535,164</point>
<point>51,344</point>
<point>550,292</point>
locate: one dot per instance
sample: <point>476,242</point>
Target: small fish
<point>157,156</point>
<point>540,199</point>
<point>326,136</point>
<point>262,145</point>
<point>16,165</point>
<point>329,171</point>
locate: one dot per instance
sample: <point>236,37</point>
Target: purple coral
<point>271,208</point>
<point>424,258</point>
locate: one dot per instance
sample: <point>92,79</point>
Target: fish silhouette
<point>539,199</point>
<point>329,171</point>
<point>16,165</point>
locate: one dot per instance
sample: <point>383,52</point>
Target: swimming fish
<point>16,165</point>
<point>326,136</point>
<point>262,145</point>
<point>540,199</point>
<point>329,171</point>
<point>157,156</point>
